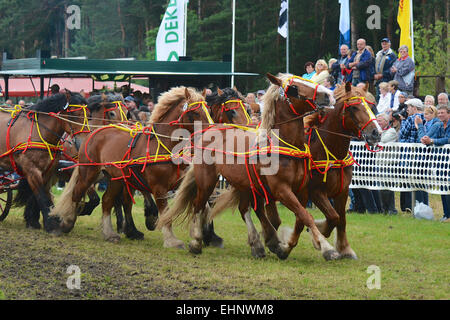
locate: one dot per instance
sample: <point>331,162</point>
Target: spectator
<point>444,116</point>
<point>389,134</point>
<point>250,99</point>
<point>54,89</point>
<point>359,63</point>
<point>429,100</point>
<point>338,68</point>
<point>22,103</point>
<point>395,93</point>
<point>396,122</point>
<point>321,72</point>
<point>384,102</point>
<point>8,103</point>
<point>432,126</point>
<point>442,99</point>
<point>384,60</point>
<point>259,96</point>
<point>309,67</point>
<point>150,106</point>
<point>329,83</point>
<point>133,112</point>
<point>403,71</point>
<point>409,134</point>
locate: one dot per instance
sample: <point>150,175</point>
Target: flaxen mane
<point>340,93</point>
<point>170,99</point>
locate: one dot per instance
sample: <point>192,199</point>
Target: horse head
<point>357,115</point>
<point>227,106</point>
<point>303,95</point>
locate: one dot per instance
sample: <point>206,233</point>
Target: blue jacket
<point>366,66</point>
<point>445,136</point>
<point>431,128</point>
<point>389,57</point>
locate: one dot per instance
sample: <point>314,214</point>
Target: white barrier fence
<point>402,167</point>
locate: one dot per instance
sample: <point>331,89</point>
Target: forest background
<point>128,28</point>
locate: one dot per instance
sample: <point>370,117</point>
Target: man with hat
<point>384,60</point>
<point>260,94</point>
<point>133,111</point>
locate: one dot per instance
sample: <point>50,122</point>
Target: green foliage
<point>128,28</point>
<point>431,53</point>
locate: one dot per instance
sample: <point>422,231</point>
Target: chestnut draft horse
<point>331,167</point>
<point>225,106</point>
<point>30,145</point>
<point>144,164</point>
<point>105,108</point>
<point>285,103</point>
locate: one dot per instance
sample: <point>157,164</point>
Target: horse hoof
<point>195,248</point>
<point>114,238</point>
<point>217,243</point>
<point>52,224</point>
<point>136,235</point>
<point>331,255</point>
<point>350,256</point>
<point>258,252</point>
<point>32,225</point>
<point>150,222</point>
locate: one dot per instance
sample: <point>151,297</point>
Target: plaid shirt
<point>408,131</point>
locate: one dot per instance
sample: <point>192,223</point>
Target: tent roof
<point>55,67</point>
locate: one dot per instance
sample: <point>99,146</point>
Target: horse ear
<point>348,86</point>
<point>235,89</point>
<point>187,94</point>
<point>219,92</point>
<point>104,97</point>
<point>274,79</point>
<point>204,93</point>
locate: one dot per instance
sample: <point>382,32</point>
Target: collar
<point>402,59</point>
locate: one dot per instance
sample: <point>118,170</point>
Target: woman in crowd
<point>321,72</point>
<point>384,102</point>
<point>432,127</point>
<point>309,67</point>
<point>429,100</point>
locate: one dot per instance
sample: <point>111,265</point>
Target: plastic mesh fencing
<point>402,167</point>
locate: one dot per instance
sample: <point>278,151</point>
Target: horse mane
<point>270,100</point>
<point>228,94</point>
<point>340,94</point>
<point>57,102</point>
<point>94,102</point>
<point>170,99</point>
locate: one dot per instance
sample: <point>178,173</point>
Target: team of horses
<point>190,140</point>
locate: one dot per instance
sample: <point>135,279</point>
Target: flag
<point>169,41</point>
<point>344,23</point>
<point>282,22</point>
<point>404,19</point>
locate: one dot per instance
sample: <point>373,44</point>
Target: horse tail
<point>182,206</point>
<point>24,193</point>
<point>65,206</point>
<point>227,199</point>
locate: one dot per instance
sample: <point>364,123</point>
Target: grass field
<point>413,257</point>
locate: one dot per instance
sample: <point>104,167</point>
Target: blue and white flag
<point>282,22</point>
<point>344,23</point>
<point>169,42</point>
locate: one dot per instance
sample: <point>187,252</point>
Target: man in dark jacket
<point>338,66</point>
<point>359,62</point>
<point>384,60</point>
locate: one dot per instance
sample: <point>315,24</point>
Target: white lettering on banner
<point>169,41</point>
<point>402,167</point>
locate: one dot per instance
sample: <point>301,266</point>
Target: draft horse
<point>285,103</point>
<point>30,145</point>
<point>143,163</point>
<point>331,167</point>
<point>225,106</point>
